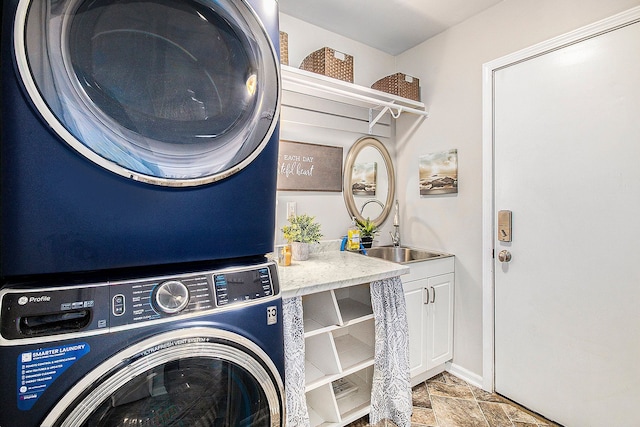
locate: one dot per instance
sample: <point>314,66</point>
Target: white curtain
<point>391,391</point>
<point>297,414</point>
<point>391,388</point>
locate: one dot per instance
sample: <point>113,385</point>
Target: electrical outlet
<point>291,209</point>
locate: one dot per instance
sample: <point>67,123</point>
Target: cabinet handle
<point>426,300</point>
<point>434,295</point>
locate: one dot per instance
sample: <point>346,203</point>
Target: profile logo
<point>24,300</point>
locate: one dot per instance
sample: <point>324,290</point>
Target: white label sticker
<point>272,315</point>
<point>339,55</point>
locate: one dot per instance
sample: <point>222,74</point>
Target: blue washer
<point>205,348</point>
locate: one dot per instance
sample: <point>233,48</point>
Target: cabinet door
<point>440,320</point>
<point>415,294</point>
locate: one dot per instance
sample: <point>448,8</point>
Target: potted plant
<point>368,230</point>
<point>301,231</point>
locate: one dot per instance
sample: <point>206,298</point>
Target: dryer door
<point>201,377</point>
<point>170,92</point>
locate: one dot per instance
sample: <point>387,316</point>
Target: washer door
<point>200,377</point>
<point>170,92</point>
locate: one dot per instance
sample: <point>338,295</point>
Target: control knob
<point>171,296</point>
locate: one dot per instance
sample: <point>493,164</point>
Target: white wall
<point>449,68</point>
<point>369,65</point>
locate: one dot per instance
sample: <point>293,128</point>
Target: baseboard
<point>417,379</point>
<point>464,374</point>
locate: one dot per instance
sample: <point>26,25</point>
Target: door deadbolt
<point>504,226</point>
<point>504,256</point>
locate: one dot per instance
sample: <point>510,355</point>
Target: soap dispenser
<point>353,236</point>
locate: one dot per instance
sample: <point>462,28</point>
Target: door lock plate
<point>504,226</point>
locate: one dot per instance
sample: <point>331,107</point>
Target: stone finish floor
<point>447,401</point>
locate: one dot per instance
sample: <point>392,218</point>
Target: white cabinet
<point>339,354</point>
<point>429,292</point>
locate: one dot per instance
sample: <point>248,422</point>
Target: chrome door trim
<point>24,70</point>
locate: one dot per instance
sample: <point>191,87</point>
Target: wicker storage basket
<point>330,63</point>
<point>399,84</point>
<point>284,48</point>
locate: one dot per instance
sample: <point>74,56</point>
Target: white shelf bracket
<point>373,121</point>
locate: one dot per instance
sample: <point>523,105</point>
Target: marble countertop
<point>334,269</point>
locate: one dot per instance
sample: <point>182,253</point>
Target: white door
<point>567,163</point>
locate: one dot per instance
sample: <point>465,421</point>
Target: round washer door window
<point>201,377</point>
<point>170,92</point>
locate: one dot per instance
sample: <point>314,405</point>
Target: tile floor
<point>447,401</point>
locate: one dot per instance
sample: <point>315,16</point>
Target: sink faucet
<point>395,236</point>
<point>371,201</point>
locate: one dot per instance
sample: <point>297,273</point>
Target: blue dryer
<point>136,133</point>
<point>194,349</point>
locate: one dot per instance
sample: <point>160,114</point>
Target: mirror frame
<point>347,182</point>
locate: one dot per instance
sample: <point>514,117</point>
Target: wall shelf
<point>378,103</point>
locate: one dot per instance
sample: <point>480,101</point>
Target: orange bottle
<point>287,255</point>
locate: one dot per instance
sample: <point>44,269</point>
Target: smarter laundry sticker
<point>38,369</point>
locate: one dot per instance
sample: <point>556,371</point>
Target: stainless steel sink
<point>402,254</point>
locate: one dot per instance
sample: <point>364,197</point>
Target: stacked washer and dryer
<point>138,161</point>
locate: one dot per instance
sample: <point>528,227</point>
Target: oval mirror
<point>369,181</point>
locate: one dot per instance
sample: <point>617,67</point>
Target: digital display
<point>238,286</point>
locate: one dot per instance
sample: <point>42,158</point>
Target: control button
<point>118,305</point>
<point>172,296</point>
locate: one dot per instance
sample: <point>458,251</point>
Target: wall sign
<point>309,167</point>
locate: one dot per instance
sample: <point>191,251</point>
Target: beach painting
<point>439,173</point>
<point>364,178</point>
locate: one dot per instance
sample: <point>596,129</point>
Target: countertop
<point>334,269</point>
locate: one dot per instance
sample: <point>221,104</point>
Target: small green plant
<point>303,229</point>
<point>367,228</point>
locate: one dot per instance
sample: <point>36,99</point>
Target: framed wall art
<point>309,167</point>
<point>439,173</point>
<point>364,179</point>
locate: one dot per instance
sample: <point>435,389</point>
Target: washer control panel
<point>28,312</point>
<point>160,297</point>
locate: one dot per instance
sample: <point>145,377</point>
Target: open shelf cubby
<point>320,313</point>
<point>339,354</point>
<point>341,401</point>
<point>354,303</point>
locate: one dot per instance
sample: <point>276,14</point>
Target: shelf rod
<point>351,95</point>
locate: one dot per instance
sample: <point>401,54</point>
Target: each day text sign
<point>309,167</point>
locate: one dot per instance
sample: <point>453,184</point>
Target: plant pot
<point>299,251</point>
<point>367,241</point>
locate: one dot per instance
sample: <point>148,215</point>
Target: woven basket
<point>330,63</point>
<point>284,48</point>
<point>399,84</point>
